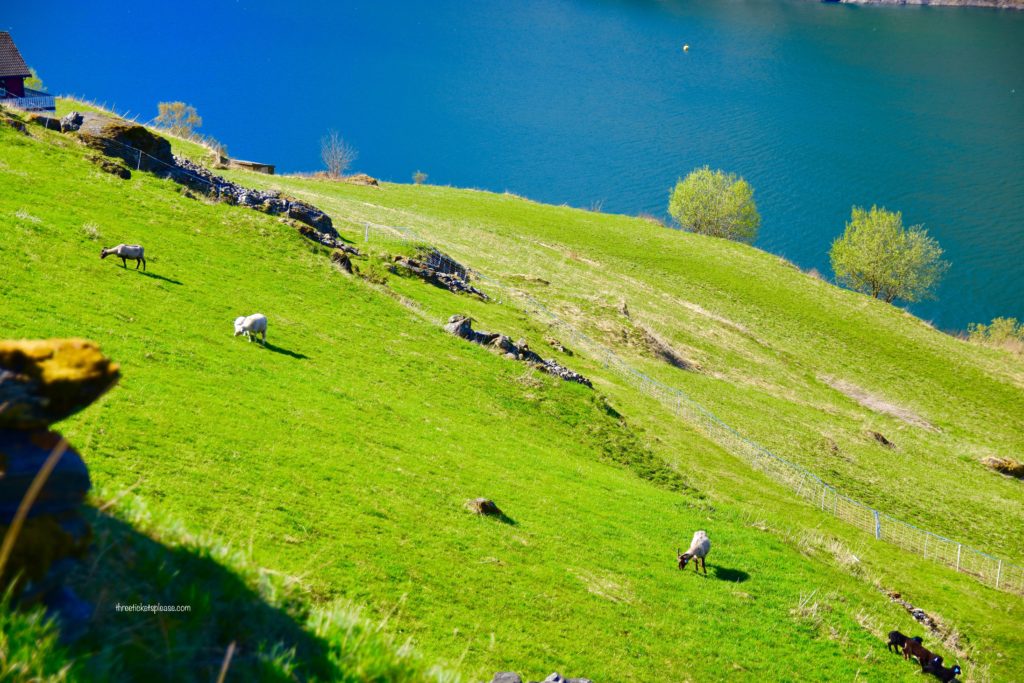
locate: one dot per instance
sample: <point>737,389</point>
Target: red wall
<point>15,85</point>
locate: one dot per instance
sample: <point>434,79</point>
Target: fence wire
<point>990,570</point>
<point>808,486</point>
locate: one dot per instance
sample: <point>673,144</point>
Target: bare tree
<point>337,154</point>
<point>179,118</point>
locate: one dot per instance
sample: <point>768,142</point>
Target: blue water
<point>585,102</point>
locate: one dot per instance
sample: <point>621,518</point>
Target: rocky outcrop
<point>136,145</point>
<point>201,179</point>
<point>42,382</point>
<point>512,677</point>
<point>140,148</point>
<point>443,273</point>
<point>462,326</point>
<point>1007,466</point>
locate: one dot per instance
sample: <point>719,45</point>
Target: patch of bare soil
<point>877,403</point>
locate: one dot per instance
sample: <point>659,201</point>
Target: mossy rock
<point>43,381</point>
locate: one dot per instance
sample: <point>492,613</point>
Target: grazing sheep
<point>942,673</point>
<point>251,326</point>
<point>126,252</point>
<point>916,649</point>
<point>897,640</point>
<point>700,546</point>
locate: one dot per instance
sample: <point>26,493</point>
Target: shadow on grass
<point>503,518</point>
<point>285,352</point>
<point>128,568</point>
<point>733,575</point>
<point>160,277</point>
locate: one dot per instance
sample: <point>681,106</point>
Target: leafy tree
<point>179,118</point>
<point>337,154</point>
<point>877,255</point>
<point>419,177</point>
<point>716,203</point>
<point>33,81</point>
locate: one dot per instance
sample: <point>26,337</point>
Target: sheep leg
<point>704,565</point>
<point>138,262</point>
<point>264,337</point>
<point>143,264</point>
<point>124,263</point>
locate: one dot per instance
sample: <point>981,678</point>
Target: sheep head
<point>683,559</point>
<point>239,325</point>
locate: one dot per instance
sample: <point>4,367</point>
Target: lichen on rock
<point>44,381</point>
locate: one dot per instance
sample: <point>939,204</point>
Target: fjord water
<point>593,102</point>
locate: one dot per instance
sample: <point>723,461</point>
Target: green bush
<point>716,203</point>
<point>1007,333</point>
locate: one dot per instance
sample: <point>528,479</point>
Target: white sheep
<point>134,252</point>
<point>700,546</point>
<point>251,326</point>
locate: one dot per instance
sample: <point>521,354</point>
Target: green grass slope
<point>339,458</point>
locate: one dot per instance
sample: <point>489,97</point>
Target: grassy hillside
<point>339,458</point>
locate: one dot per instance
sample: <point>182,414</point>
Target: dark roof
<point>11,63</point>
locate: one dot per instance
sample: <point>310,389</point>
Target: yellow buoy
<point>686,48</point>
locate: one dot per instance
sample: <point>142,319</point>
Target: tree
<point>878,256</point>
<point>33,81</point>
<point>715,203</point>
<point>337,154</point>
<point>419,177</point>
<point>179,118</point>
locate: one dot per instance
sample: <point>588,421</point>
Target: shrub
<point>419,177</point>
<point>878,256</point>
<point>1005,333</point>
<point>715,203</point>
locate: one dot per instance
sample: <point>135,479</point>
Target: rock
<point>506,677</point>
<point>579,680</point>
<point>452,281</point>
<point>557,345</point>
<point>341,259</point>
<point>462,326</point>
<point>1007,466</point>
<point>111,167</point>
<point>45,381</point>
<point>71,122</point>
<point>877,436</point>
<point>554,678</point>
<point>42,382</point>
<point>362,179</point>
<point>484,506</point>
<point>312,216</point>
<point>116,137</point>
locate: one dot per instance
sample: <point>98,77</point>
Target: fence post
<point>924,553</point>
<point>878,525</point>
<point>366,232</point>
<point>958,549</point>
<point>999,573</point>
<point>824,490</point>
<point>138,167</point>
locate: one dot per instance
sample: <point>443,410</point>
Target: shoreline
<point>987,4</point>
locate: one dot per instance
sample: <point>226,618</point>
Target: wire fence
<point>990,570</point>
<point>808,486</point>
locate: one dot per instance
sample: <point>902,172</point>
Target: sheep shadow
<point>126,568</point>
<point>160,277</point>
<point>732,575</point>
<point>285,352</point>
